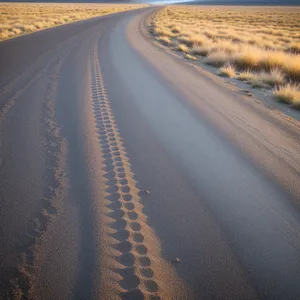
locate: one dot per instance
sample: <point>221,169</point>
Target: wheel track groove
<point>18,280</point>
<point>134,251</point>
<point>14,89</point>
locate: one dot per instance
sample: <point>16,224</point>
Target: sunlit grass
<point>289,93</point>
<point>259,45</point>
<point>183,48</point>
<point>22,18</point>
<point>217,59</point>
<point>228,71</point>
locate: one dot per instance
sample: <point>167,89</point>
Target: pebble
<point>248,93</point>
<point>176,260</point>
<point>144,192</point>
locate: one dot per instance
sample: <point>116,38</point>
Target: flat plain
<point>21,18</point>
<point>259,45</point>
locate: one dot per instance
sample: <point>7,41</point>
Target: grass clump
<point>289,93</point>
<point>200,50</point>
<point>217,59</point>
<point>228,71</point>
<point>274,77</point>
<point>165,40</point>
<point>292,68</point>
<point>294,47</point>
<point>247,76</point>
<point>190,57</point>
<point>263,79</point>
<point>256,82</point>
<point>183,48</point>
<point>247,58</point>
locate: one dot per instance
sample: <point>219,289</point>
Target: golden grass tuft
<point>274,77</point>
<point>183,48</point>
<point>190,57</point>
<point>165,40</point>
<point>289,93</point>
<point>294,47</point>
<point>247,76</point>
<point>263,79</point>
<point>218,58</point>
<point>247,58</point>
<point>292,68</point>
<point>200,50</point>
<point>228,71</point>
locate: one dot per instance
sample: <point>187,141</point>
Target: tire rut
<point>14,89</point>
<point>16,281</point>
<point>134,257</point>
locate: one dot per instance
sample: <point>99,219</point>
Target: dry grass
<point>217,59</point>
<point>289,93</point>
<point>294,47</point>
<point>183,48</point>
<point>263,79</point>
<point>261,44</point>
<point>274,77</point>
<point>190,57</point>
<point>21,18</point>
<point>164,40</point>
<point>200,50</point>
<point>247,76</point>
<point>228,71</point>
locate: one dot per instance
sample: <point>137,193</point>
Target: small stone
<point>176,260</point>
<point>248,93</point>
<point>144,192</point>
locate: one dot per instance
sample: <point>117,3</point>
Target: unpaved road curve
<point>118,157</point>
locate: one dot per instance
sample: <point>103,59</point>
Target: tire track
<point>13,90</point>
<point>135,262</point>
<point>25,85</point>
<point>17,281</point>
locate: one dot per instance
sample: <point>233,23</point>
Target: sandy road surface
<point>118,157</point>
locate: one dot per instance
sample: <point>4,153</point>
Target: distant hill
<point>245,2</point>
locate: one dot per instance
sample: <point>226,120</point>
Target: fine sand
<point>128,173</point>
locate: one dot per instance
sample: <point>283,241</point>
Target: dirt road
<point>127,173</point>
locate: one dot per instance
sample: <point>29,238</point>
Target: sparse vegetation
<point>274,77</point>
<point>22,18</point>
<point>217,59</point>
<point>183,48</point>
<point>228,71</point>
<point>263,79</point>
<point>246,76</point>
<point>165,40</point>
<point>190,57</point>
<point>259,45</point>
<point>289,93</point>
